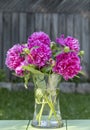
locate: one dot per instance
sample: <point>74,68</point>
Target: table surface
<point>22,124</point>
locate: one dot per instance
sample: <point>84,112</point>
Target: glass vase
<point>47,111</point>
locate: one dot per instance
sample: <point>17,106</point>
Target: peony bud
<point>52,62</point>
<point>27,51</point>
<point>66,49</point>
<point>81,53</point>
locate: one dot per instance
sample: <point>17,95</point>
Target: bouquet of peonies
<point>40,55</point>
<point>46,62</point>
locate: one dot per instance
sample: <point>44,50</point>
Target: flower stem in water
<point>39,116</point>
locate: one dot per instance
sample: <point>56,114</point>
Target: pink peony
<point>41,36</point>
<point>60,40</point>
<point>67,65</point>
<point>39,55</point>
<point>13,57</point>
<point>69,41</point>
<point>19,70</point>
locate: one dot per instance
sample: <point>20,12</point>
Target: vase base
<point>47,124</point>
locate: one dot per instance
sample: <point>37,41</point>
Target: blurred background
<point>20,18</point>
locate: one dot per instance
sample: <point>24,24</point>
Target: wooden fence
<point>16,27</point>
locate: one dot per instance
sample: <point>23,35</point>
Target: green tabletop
<point>21,125</point>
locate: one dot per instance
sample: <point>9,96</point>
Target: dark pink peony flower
<point>39,55</point>
<point>41,36</point>
<point>69,41</point>
<point>60,40</point>
<point>13,57</point>
<point>67,65</point>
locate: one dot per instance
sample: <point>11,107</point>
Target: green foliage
<point>75,106</point>
<point>47,70</point>
<point>32,69</point>
<point>20,105</point>
<point>26,78</point>
<point>16,104</point>
<point>17,79</point>
<point>2,75</point>
<point>55,49</point>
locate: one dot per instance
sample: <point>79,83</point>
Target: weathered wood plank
<point>85,42</point>
<point>6,38</point>
<point>22,27</point>
<point>51,6</point>
<point>47,23</point>
<point>61,24</point>
<point>38,22</point>
<point>15,28</point>
<point>30,23</point>
<point>77,27</point>
<point>69,23</point>
<point>1,40</point>
<point>89,44</point>
<point>54,26</point>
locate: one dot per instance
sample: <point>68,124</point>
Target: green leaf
<point>32,69</point>
<point>17,75</point>
<point>26,78</point>
<point>54,46</point>
<point>56,53</point>
<point>47,69</point>
<point>82,73</point>
<point>77,76</point>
